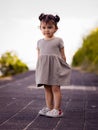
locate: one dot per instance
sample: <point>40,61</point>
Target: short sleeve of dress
<point>61,43</point>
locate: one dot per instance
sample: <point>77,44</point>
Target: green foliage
<point>87,55</point>
<point>78,58</point>
<point>10,64</point>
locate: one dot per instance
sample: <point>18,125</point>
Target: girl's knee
<point>47,88</point>
<point>56,88</point>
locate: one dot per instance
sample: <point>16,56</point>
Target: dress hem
<point>42,84</point>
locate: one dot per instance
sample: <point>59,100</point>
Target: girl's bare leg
<point>48,96</point>
<point>57,96</point>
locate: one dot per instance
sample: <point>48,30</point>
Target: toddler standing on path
<point>52,71</point>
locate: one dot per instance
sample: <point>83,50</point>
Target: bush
<point>87,56</point>
<point>78,58</point>
<point>10,64</point>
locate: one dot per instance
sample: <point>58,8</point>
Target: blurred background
<point>19,28</point>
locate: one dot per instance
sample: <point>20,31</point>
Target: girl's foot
<point>54,113</point>
<point>44,111</point>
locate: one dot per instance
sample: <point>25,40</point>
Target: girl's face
<point>48,29</point>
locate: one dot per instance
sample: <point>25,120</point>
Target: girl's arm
<point>38,52</point>
<point>63,53</point>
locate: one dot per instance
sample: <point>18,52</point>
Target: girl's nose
<point>46,29</point>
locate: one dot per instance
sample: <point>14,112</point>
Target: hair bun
<point>42,15</point>
<point>57,18</point>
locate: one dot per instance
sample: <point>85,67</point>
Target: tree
<point>87,56</point>
<point>10,64</point>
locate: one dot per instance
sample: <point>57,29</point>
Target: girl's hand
<point>63,53</point>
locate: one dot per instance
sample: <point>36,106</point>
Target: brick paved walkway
<point>20,102</point>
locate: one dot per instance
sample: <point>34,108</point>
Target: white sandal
<point>44,111</point>
<point>54,113</point>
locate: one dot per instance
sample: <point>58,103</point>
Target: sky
<point>19,25</point>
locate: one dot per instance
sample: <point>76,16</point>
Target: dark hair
<point>49,17</point>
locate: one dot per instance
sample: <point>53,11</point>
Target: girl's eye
<point>49,27</point>
<point>43,27</point>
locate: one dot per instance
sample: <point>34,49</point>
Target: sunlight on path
<point>72,87</point>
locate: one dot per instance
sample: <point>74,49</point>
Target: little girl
<point>52,71</point>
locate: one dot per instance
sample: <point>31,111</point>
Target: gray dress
<point>51,69</point>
